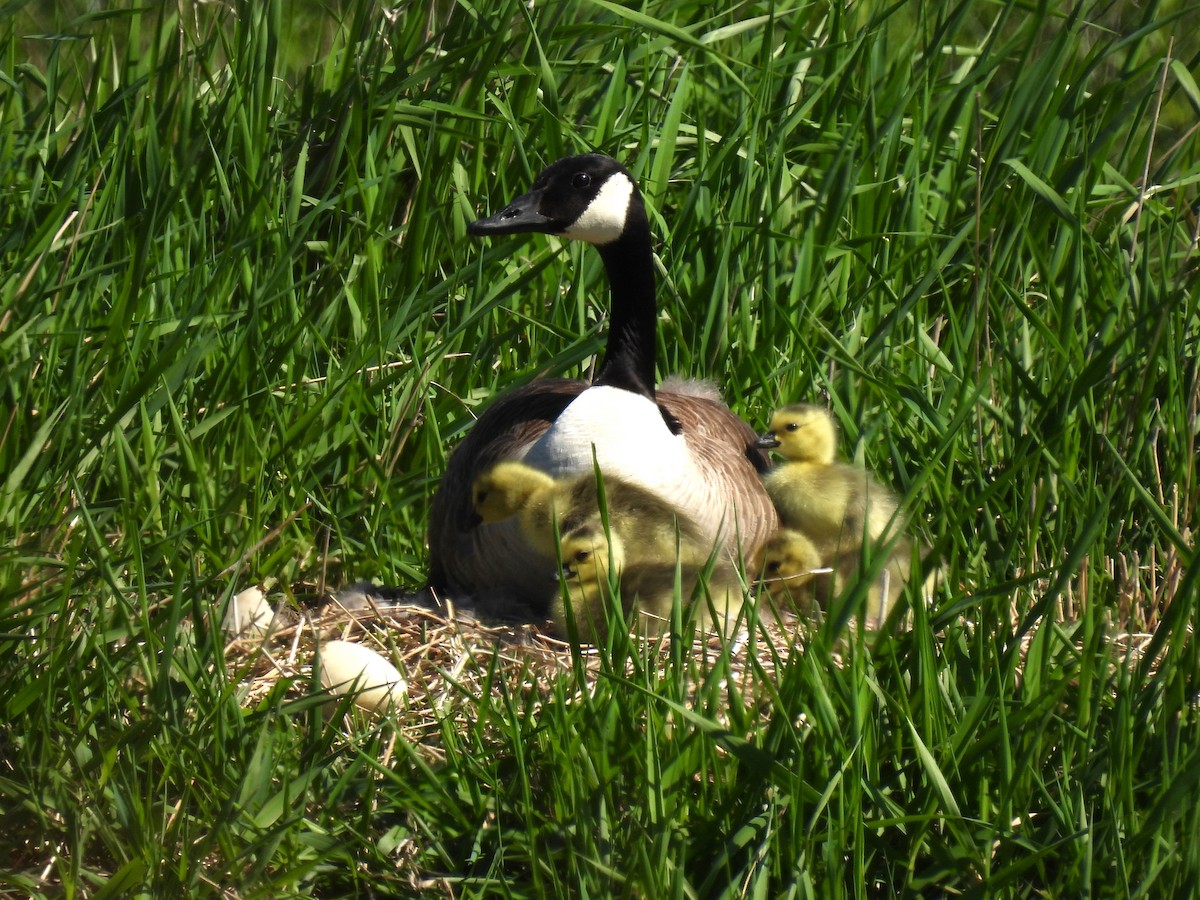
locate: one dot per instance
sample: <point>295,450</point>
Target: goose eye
<point>582,180</point>
<point>582,556</point>
<point>793,426</point>
<point>773,567</point>
<point>481,496</point>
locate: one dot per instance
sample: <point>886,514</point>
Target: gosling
<point>835,504</point>
<point>647,590</point>
<point>791,573</point>
<point>653,530</point>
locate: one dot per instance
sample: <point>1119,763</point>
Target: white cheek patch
<point>604,219</point>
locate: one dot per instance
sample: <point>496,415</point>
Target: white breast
<point>627,430</point>
<point>631,442</point>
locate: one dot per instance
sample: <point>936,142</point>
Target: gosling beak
<point>767,441</point>
<point>519,217</point>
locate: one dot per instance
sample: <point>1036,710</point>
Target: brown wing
<point>724,445</point>
<point>465,556</point>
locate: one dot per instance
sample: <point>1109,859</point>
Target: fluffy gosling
<point>791,572</point>
<point>652,530</point>
<point>647,590</point>
<point>835,504</point>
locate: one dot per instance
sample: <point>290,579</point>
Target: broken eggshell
<point>248,614</point>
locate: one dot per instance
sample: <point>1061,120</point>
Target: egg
<point>349,668</point>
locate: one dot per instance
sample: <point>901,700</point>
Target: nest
<point>449,656</point>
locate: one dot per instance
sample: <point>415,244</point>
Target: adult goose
<point>689,449</point>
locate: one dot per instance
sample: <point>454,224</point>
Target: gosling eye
<point>583,556</point>
<point>481,496</point>
<point>792,426</point>
<point>581,180</point>
<point>773,567</point>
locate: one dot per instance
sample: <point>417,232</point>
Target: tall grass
<point>242,329</point>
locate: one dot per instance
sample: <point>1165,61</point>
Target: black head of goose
<point>689,449</point>
<point>592,198</point>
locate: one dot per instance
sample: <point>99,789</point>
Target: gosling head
<point>787,565</point>
<point>589,198</point>
<point>802,433</point>
<point>788,555</point>
<point>587,552</point>
<point>504,489</point>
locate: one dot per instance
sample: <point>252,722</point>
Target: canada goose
<point>647,588</point>
<point>790,571</point>
<point>833,503</point>
<point>832,506</point>
<point>792,574</point>
<point>546,506</point>
<point>689,450</point>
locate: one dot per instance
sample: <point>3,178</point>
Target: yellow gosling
<point>505,489</point>
<point>652,529</point>
<point>790,570</point>
<point>833,503</point>
<point>646,589</point>
<point>588,554</point>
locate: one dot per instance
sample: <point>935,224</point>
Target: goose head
<point>590,198</point>
<point>802,433</point>
<point>593,198</point>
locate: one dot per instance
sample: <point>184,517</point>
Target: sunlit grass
<point>242,328</point>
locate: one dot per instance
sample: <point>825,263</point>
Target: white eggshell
<point>248,614</point>
<point>349,668</point>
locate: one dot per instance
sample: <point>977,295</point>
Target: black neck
<point>629,357</point>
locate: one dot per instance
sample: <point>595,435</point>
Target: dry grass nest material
<point>449,657</point>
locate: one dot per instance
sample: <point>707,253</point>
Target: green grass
<point>242,327</point>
